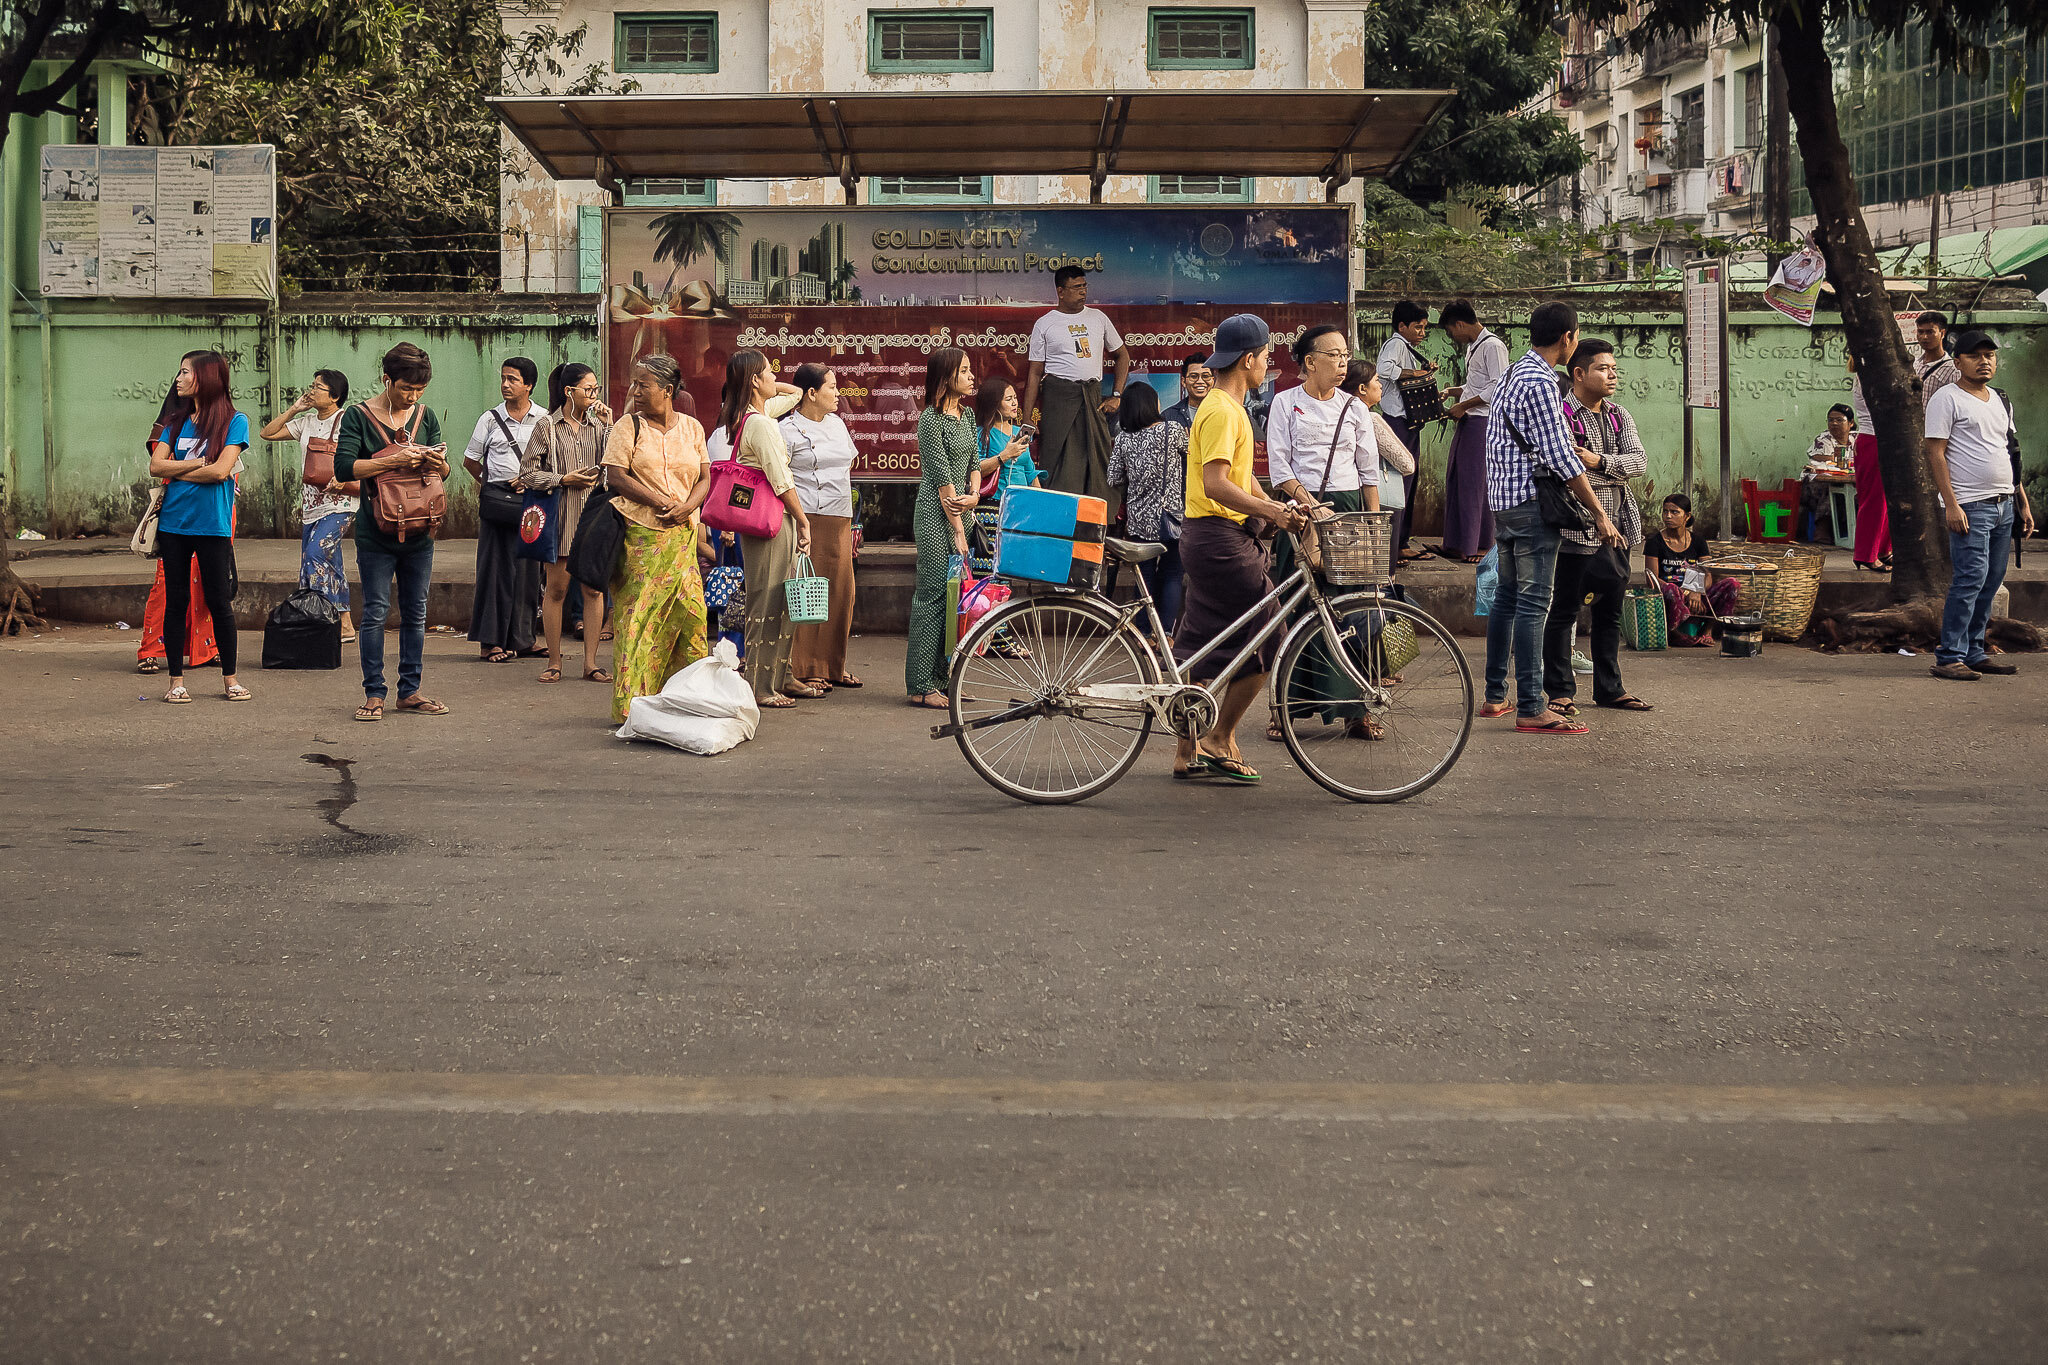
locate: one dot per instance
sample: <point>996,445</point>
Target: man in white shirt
<point>1068,348</point>
<point>1399,359</point>
<point>1468,522</point>
<point>1967,426</point>
<point>507,594</point>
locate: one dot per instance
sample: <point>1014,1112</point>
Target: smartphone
<point>1025,431</point>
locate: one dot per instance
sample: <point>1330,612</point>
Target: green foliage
<point>1498,62</point>
<point>1413,250</point>
<point>388,172</point>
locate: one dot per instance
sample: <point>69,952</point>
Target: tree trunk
<point>1919,544</point>
<point>17,597</point>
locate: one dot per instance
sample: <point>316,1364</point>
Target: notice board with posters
<point>871,292</point>
<point>158,222</point>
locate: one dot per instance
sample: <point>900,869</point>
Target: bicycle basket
<point>1357,548</point>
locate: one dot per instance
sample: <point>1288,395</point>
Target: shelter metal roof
<point>1330,135</point>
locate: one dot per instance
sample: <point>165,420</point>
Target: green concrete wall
<point>110,365</point>
<point>1784,377</point>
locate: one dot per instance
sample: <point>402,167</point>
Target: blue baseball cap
<point>1236,336</point>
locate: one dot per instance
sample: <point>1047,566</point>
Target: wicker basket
<point>810,597</point>
<point>1783,588</point>
<point>1357,549</point>
<point>1642,620</point>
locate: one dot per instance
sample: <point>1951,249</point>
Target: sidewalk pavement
<point>98,580</point>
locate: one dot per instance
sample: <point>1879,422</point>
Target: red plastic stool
<point>1774,514</point>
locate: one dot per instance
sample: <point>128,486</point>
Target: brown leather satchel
<point>409,501</point>
<point>319,469</point>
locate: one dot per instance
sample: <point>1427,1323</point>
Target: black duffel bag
<point>304,631</point>
<point>600,540</point>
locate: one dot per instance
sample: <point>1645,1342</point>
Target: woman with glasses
<point>326,511</point>
<point>566,452</point>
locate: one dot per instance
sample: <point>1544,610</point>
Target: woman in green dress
<point>947,446</point>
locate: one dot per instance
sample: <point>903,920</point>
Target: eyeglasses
<point>1333,355</point>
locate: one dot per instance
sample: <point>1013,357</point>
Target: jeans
<point>1979,555</point>
<point>1521,606</point>
<point>414,569</point>
<point>1163,580</point>
<point>1579,576</point>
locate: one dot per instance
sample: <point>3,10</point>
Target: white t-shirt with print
<point>1978,465</point>
<point>315,503</point>
<point>1074,345</point>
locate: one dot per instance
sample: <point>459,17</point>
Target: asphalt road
<point>1716,1036</point>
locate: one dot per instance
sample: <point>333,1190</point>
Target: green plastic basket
<point>1642,620</point>
<point>810,597</point>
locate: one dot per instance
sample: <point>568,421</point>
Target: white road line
<point>1277,1101</point>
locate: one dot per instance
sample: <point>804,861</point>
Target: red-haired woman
<point>200,648</point>
<point>199,456</point>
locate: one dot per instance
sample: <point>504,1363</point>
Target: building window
<point>1200,40</point>
<point>685,43</point>
<point>924,40</point>
<point>686,192</point>
<point>1200,189</point>
<point>1688,138</point>
<point>1752,108</point>
<point>931,189</point>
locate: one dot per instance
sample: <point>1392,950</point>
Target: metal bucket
<point>1742,637</point>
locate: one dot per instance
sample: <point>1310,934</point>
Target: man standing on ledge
<point>1068,347</point>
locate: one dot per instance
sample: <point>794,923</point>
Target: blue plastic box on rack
<point>1052,537</point>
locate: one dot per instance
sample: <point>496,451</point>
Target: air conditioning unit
<point>1635,182</point>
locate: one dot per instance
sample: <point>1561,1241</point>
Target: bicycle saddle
<point>1135,551</point>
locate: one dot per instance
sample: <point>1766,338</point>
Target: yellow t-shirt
<point>1222,431</point>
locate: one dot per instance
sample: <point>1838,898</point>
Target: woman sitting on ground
<point>1671,555</point>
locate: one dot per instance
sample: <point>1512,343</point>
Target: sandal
<point>603,635</point>
<point>1626,703</point>
<point>1273,732</point>
<point>802,693</point>
<point>1550,725</point>
<point>846,680</point>
<point>1364,727</point>
<point>924,705</point>
<point>551,675</point>
<point>149,666</point>
<point>776,703</point>
<point>349,638</point>
<point>373,709</point>
<point>237,692</point>
<point>499,656</point>
<point>422,706</point>
<point>1564,706</point>
<point>1494,710</point>
<point>1191,774</point>
<point>178,696</point>
<point>1235,769</point>
<point>596,675</point>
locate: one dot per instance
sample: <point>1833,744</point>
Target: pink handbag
<point>741,498</point>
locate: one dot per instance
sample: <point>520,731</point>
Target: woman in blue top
<point>1002,453</point>
<point>197,521</point>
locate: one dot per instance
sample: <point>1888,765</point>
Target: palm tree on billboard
<point>844,289</point>
<point>684,237</point>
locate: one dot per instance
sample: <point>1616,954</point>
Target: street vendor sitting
<point>1828,460</point>
<point>1693,597</point>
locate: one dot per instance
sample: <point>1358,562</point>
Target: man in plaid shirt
<point>1527,429</point>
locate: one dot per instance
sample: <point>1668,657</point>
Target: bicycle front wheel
<point>1033,695</point>
<point>1420,703</point>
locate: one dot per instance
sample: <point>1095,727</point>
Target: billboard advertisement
<point>872,292</point>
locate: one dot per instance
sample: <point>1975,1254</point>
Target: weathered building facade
<point>786,46</point>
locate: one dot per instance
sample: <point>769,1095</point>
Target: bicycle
<point>1067,714</point>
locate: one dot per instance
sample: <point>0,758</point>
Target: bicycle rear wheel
<point>1022,725</point>
<point>1424,711</point>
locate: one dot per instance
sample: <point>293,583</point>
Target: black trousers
<point>1601,576</point>
<point>216,556</point>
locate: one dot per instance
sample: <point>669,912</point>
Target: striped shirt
<point>1526,405</point>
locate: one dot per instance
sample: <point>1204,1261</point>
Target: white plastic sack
<point>706,708</point>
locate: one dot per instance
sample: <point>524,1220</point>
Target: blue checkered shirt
<point>1526,402</point>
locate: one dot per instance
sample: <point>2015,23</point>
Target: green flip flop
<point>1231,769</point>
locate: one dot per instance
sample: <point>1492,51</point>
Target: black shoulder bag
<point>1421,400</point>
<point>600,533</point>
<point>1555,501</point>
